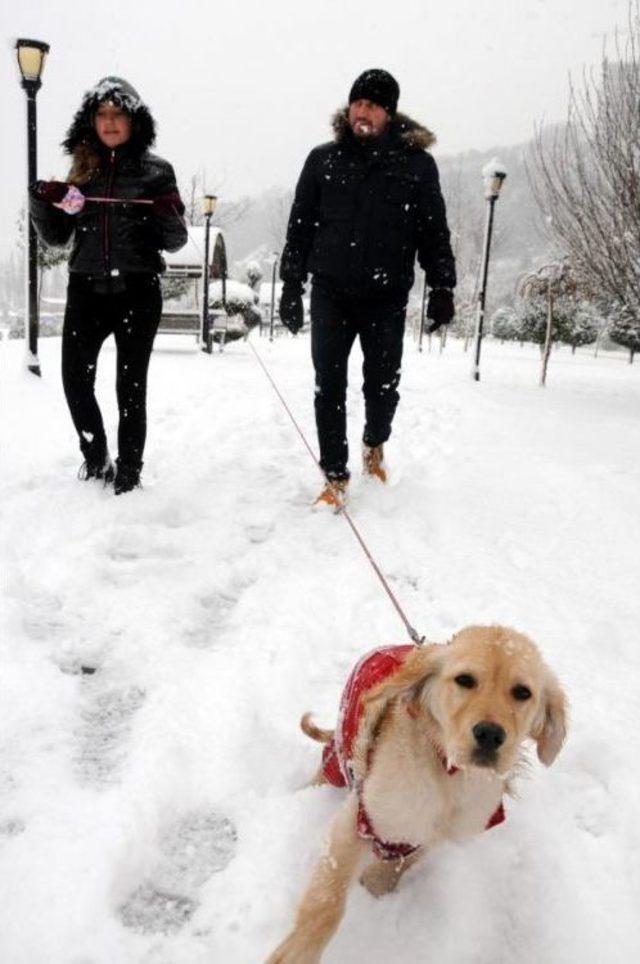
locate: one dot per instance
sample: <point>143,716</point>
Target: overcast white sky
<point>244,91</point>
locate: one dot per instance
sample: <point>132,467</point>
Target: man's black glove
<point>291,309</point>
<point>440,309</point>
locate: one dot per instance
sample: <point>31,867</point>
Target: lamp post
<point>31,57</point>
<point>273,294</point>
<point>493,174</point>
<point>208,207</point>
<point>423,308</point>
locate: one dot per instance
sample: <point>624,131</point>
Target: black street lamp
<point>208,207</point>
<point>423,308</point>
<point>494,174</point>
<point>273,294</point>
<point>31,57</point>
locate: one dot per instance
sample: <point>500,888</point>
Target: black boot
<point>97,464</point>
<point>127,477</point>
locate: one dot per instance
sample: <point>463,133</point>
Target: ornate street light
<point>209,202</point>
<point>31,57</point>
<point>274,267</point>
<point>493,174</point>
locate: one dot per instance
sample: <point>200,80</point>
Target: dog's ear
<point>550,727</point>
<point>409,682</point>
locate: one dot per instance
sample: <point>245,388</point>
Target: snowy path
<point>218,608</point>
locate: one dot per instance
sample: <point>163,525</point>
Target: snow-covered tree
<point>546,293</point>
<point>586,174</point>
<point>578,323</point>
<point>624,329</point>
<point>254,274</point>
<point>506,325</point>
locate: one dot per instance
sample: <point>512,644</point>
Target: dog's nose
<point>489,736</point>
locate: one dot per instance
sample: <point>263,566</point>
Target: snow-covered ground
<point>217,608</point>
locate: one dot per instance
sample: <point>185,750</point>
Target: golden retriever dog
<point>433,747</point>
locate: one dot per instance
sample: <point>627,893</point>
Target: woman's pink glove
<point>72,202</point>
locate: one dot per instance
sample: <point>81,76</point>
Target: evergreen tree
<point>624,329</point>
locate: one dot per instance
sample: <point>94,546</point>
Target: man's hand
<point>291,309</point>
<point>440,309</point>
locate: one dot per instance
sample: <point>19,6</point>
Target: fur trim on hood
<point>82,132</point>
<point>413,135</point>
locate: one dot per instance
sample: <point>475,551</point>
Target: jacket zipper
<point>105,215</point>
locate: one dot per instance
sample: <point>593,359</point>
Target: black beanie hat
<point>377,86</point>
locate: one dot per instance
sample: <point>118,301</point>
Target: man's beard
<point>363,131</point>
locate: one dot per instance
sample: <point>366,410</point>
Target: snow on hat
<point>118,91</point>
<point>377,86</point>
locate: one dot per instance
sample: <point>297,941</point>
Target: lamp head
<point>209,202</point>
<point>31,57</point>
<point>493,174</point>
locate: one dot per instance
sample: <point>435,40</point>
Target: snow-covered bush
<point>505,325</point>
<point>575,322</point>
<point>578,324</point>
<point>240,305</point>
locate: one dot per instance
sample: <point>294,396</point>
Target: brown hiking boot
<point>373,461</point>
<point>334,493</point>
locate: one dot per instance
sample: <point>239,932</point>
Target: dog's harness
<point>337,756</point>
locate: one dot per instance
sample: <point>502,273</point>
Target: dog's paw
<point>381,877</point>
<point>294,950</point>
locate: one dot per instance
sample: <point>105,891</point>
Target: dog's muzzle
<point>488,737</point>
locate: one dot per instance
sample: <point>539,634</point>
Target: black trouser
<point>335,322</point>
<point>132,315</point>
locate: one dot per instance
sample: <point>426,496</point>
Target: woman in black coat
<point>121,206</point>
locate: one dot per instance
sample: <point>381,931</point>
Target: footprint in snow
<point>12,827</point>
<point>132,546</point>
<point>193,848</point>
<point>42,615</point>
<point>102,734</point>
<point>215,610</point>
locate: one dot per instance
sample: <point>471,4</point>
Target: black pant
<point>335,322</point>
<point>132,315</point>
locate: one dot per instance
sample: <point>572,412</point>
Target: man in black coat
<point>365,205</point>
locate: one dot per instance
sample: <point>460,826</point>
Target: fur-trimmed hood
<point>414,136</point>
<point>121,92</point>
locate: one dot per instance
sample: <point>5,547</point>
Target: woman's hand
<point>168,205</point>
<point>72,202</point>
<point>65,196</point>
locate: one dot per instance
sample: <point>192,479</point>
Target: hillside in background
<point>255,228</point>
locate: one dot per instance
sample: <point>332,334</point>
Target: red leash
<point>414,635</point>
<point>116,200</point>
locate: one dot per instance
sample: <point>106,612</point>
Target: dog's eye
<point>521,692</point>
<point>466,681</point>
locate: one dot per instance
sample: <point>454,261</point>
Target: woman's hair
<point>85,163</point>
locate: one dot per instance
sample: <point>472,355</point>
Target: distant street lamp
<point>208,207</point>
<point>273,294</point>
<point>31,57</point>
<point>494,174</point>
<point>423,308</point>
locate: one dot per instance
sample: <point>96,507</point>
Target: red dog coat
<point>371,669</point>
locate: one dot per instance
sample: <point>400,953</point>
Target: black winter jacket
<point>362,212</point>
<point>111,239</point>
